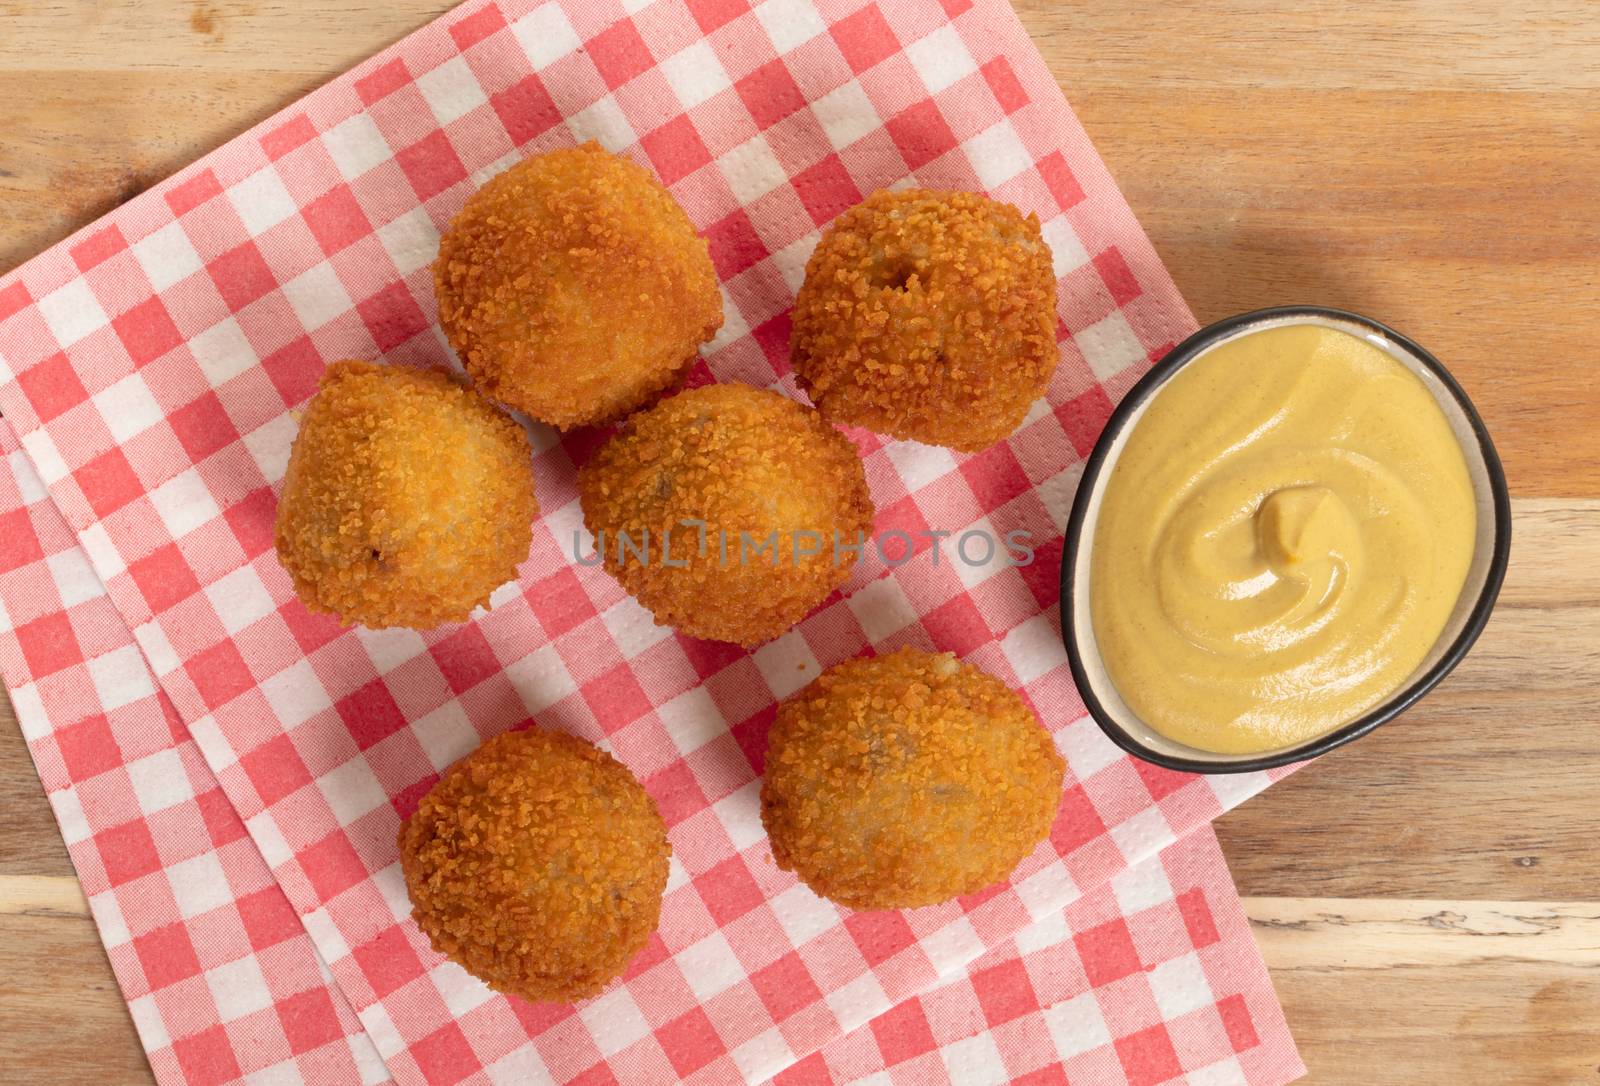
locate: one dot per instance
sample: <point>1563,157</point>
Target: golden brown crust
<point>575,288</point>
<point>408,498</point>
<point>740,460</point>
<point>904,780</point>
<point>929,316</point>
<point>537,863</point>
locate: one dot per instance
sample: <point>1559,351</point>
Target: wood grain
<point>103,100</point>
<point>30,843</point>
<point>1485,790</point>
<point>1487,787</point>
<point>1398,992</point>
<point>1475,992</point>
<point>1430,162</point>
<point>62,1018</point>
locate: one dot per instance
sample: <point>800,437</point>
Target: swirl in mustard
<point>1280,542</point>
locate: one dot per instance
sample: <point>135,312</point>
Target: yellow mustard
<point>1281,541</point>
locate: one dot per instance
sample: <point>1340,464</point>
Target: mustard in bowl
<point>1291,528</point>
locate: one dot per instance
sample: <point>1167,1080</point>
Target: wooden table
<point>1428,899</point>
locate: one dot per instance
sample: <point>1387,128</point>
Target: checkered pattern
<point>1039,1007</point>
<point>221,978</point>
<point>150,365</point>
<point>1032,1010</point>
<point>1152,978</point>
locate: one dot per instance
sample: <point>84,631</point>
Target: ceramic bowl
<point>1490,552</point>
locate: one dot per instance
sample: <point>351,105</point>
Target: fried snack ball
<point>537,864</point>
<point>408,498</point>
<point>929,316</point>
<point>574,288</point>
<point>905,780</point>
<point>699,483</point>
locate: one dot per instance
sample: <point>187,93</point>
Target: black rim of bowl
<point>1408,695</point>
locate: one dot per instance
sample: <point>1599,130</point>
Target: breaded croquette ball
<point>905,780</point>
<point>537,864</point>
<point>575,288</point>
<point>719,509</point>
<point>929,316</point>
<point>408,498</point>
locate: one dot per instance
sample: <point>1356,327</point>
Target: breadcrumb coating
<point>407,500</point>
<point>537,863</point>
<point>928,315</point>
<point>744,462</point>
<point>575,288</point>
<point>898,781</point>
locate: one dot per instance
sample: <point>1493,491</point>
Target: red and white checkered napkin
<point>221,978</point>
<point>151,363</point>
<point>1152,976</point>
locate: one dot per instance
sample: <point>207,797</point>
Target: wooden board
<point>1426,898</point>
